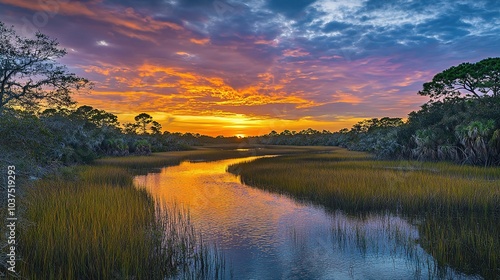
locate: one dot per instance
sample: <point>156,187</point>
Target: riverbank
<point>92,222</point>
<point>354,181</point>
<point>457,206</point>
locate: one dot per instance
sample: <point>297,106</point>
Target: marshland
<point>89,197</point>
<point>290,211</point>
<point>456,209</point>
<point>91,222</point>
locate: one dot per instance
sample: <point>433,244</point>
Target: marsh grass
<point>184,248</point>
<point>140,162</point>
<point>90,222</point>
<point>467,243</point>
<point>362,184</point>
<point>459,205</point>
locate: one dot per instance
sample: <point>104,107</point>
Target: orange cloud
<point>346,98</point>
<point>128,18</point>
<point>418,76</point>
<point>273,43</point>
<point>200,41</point>
<point>295,53</point>
<point>262,92</point>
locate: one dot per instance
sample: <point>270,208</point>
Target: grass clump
<point>90,222</point>
<point>467,243</point>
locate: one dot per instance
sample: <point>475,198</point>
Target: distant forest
<point>41,126</point>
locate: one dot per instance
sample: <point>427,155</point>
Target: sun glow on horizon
<point>201,72</point>
<point>239,126</point>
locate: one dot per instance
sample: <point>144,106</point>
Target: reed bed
<point>466,243</point>
<point>140,162</point>
<point>366,185</point>
<point>90,222</point>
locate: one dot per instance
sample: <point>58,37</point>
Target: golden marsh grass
<point>90,222</point>
<point>356,184</point>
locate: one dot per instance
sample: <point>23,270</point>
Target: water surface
<point>271,236</point>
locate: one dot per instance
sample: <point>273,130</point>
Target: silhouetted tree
<point>142,121</point>
<point>156,128</point>
<point>99,118</point>
<point>29,74</point>
<point>466,80</point>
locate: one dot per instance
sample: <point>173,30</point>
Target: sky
<point>228,67</point>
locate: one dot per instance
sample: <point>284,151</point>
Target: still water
<point>271,236</point>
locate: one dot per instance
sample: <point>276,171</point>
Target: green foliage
<point>474,139</point>
<point>25,138</point>
<point>68,136</point>
<point>141,147</point>
<point>115,147</point>
<point>376,124</point>
<point>143,124</point>
<point>459,123</point>
<point>99,118</point>
<point>466,80</point>
<point>155,127</point>
<point>142,121</point>
<point>494,142</point>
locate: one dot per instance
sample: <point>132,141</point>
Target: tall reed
<point>92,223</point>
<point>467,243</point>
<point>366,185</point>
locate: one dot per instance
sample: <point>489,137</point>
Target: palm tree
<point>494,145</point>
<point>426,146</point>
<point>473,138</point>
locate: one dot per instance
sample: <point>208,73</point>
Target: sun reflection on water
<point>269,236</point>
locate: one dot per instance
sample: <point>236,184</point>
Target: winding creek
<point>271,236</point>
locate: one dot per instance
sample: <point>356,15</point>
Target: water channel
<point>271,236</point>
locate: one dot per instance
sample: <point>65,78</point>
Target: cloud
<point>289,8</point>
<point>203,41</point>
<point>305,61</point>
<point>295,53</point>
<point>123,17</point>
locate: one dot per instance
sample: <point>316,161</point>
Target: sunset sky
<point>249,67</point>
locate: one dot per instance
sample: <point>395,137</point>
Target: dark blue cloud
<point>289,8</point>
<point>195,3</point>
<point>417,5</point>
<point>447,27</point>
<point>336,26</point>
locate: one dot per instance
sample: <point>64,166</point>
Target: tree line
<point>41,125</point>
<point>460,123</point>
